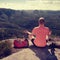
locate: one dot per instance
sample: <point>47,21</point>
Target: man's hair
<point>41,20</point>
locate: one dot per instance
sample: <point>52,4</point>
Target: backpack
<point>21,44</point>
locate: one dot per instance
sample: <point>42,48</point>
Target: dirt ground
<point>34,53</point>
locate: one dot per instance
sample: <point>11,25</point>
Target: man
<point>40,33</point>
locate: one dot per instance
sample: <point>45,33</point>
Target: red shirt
<point>40,32</point>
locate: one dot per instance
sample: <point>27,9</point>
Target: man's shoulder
<point>46,27</point>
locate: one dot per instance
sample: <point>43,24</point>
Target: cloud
<point>24,1</point>
<point>12,1</point>
<point>31,4</point>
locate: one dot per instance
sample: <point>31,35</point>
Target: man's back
<point>40,32</point>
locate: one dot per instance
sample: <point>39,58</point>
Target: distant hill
<point>15,21</point>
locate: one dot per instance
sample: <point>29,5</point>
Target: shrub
<point>5,49</point>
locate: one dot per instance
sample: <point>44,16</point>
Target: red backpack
<point>18,44</point>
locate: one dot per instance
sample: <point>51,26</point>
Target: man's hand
<point>30,34</point>
<point>26,31</point>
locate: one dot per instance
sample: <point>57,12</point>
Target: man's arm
<point>50,32</point>
<point>48,37</point>
<point>30,35</point>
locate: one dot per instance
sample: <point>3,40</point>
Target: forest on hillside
<point>14,22</point>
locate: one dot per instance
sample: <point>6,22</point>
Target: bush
<point>5,49</point>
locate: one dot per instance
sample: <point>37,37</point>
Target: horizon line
<point>32,9</point>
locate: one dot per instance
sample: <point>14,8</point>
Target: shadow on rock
<point>43,53</point>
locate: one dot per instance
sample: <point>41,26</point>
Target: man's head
<point>41,20</point>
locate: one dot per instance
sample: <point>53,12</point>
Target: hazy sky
<point>31,4</point>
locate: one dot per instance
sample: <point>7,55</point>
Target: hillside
<point>13,22</point>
